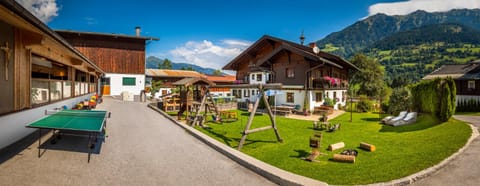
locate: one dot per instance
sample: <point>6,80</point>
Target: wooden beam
<point>90,69</point>
<point>76,62</point>
<point>265,86</point>
<point>258,129</point>
<point>31,38</point>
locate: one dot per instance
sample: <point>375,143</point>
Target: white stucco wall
<point>330,95</point>
<point>12,126</point>
<point>117,87</point>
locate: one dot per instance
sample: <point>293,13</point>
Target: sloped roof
<point>193,81</point>
<point>293,47</point>
<point>223,79</point>
<point>457,71</point>
<point>107,35</point>
<point>172,73</point>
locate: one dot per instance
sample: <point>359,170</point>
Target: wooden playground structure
<point>196,103</point>
<point>261,97</point>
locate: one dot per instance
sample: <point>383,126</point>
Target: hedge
<point>435,96</point>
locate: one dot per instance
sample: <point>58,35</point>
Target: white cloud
<point>44,10</point>
<point>208,54</point>
<point>406,7</point>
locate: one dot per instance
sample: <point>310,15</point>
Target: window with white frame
<point>471,84</point>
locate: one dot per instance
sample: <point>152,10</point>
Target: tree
<point>370,78</point>
<point>167,64</point>
<point>399,100</point>
<point>156,85</point>
<point>217,72</point>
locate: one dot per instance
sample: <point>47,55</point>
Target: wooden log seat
<point>336,146</point>
<point>368,147</point>
<point>344,158</point>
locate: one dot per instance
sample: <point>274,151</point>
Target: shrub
<point>328,102</point>
<point>364,105</point>
<point>400,100</point>
<point>435,96</point>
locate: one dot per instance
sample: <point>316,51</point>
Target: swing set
<point>261,97</point>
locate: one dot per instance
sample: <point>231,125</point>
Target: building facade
<point>39,70</point>
<point>122,57</point>
<point>308,77</point>
<point>168,77</point>
<point>466,77</point>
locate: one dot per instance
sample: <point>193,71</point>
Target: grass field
<point>401,151</point>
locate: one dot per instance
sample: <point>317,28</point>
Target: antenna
<point>302,38</point>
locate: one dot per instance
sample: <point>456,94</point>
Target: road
<point>465,169</point>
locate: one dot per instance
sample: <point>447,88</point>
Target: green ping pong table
<point>89,122</point>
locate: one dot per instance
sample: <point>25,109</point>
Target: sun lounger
<point>396,119</point>
<point>388,118</point>
<point>409,118</point>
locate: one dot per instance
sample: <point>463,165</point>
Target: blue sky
<point>210,33</point>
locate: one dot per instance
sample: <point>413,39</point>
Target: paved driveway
<point>143,148</point>
<point>465,169</point>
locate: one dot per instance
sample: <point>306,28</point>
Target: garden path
<point>465,168</point>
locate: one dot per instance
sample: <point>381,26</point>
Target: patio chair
<point>396,119</point>
<point>409,119</point>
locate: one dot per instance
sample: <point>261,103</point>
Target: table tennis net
<point>93,114</point>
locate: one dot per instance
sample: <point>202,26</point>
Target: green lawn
<point>401,151</point>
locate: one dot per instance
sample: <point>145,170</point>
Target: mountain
<point>152,62</point>
<point>409,55</point>
<point>363,33</point>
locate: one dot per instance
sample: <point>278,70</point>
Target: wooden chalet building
<point>303,73</point>
<point>122,57</point>
<point>168,77</point>
<point>39,70</point>
<point>466,76</point>
<point>221,80</point>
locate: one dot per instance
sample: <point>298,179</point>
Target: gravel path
<point>143,148</point>
<point>465,169</point>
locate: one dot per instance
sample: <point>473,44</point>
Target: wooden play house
<point>194,96</point>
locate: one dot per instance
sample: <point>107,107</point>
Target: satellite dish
<point>316,50</point>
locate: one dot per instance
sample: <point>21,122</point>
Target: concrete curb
<point>270,172</point>
<point>431,170</point>
<point>283,177</point>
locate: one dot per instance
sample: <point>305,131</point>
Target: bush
<point>328,102</point>
<point>435,96</point>
<point>399,101</point>
<point>364,105</point>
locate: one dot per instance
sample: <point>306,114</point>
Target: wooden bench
<point>281,112</point>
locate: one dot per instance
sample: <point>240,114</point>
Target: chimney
<point>137,31</point>
<point>312,44</point>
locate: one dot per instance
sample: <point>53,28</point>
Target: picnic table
<point>283,109</point>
